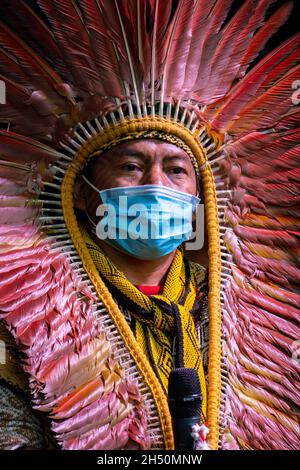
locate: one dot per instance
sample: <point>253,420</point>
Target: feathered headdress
<point>79,75</point>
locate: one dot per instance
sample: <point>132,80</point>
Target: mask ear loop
<point>92,222</point>
<point>94,225</point>
<point>90,184</point>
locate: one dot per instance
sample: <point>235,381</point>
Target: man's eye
<point>131,167</point>
<point>177,170</point>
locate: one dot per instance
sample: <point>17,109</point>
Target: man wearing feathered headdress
<point>121,116</point>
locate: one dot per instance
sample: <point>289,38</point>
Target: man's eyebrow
<point>141,154</point>
<point>131,153</point>
<point>177,157</point>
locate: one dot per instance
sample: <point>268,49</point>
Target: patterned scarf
<point>162,324</point>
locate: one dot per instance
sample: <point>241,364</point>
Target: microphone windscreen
<point>184,393</point>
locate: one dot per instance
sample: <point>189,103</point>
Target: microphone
<point>185,401</point>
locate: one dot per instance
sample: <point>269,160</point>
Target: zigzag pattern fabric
<point>159,318</point>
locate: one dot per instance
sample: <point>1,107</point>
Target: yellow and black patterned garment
<point>163,325</point>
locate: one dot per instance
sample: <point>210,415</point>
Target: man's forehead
<point>147,148</point>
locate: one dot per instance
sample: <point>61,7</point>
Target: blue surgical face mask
<point>147,221</point>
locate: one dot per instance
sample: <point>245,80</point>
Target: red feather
<point>267,108</point>
<point>288,121</point>
<point>244,91</point>
<point>72,38</point>
<point>177,50</point>
<point>230,50</point>
<point>160,32</point>
<point>263,35</point>
<point>282,67</point>
<point>109,67</point>
<point>10,67</point>
<point>23,19</point>
<point>35,66</point>
<point>23,149</point>
<point>267,237</point>
<point>135,24</point>
<point>207,22</point>
<point>31,113</point>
